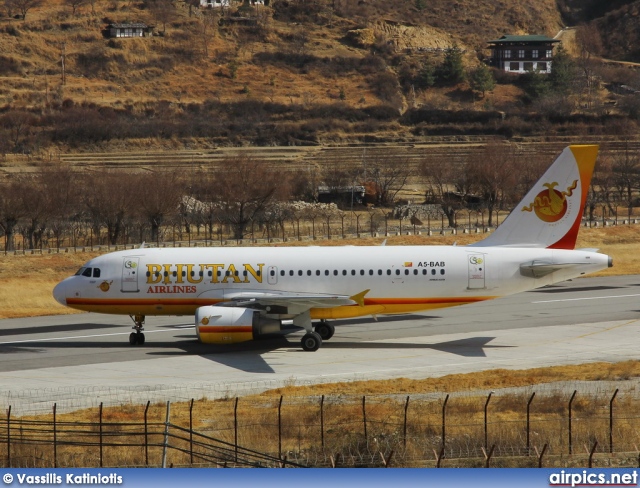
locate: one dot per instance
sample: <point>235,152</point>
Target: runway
<point>81,360</point>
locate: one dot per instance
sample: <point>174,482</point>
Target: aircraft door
<point>477,265</point>
<point>130,273</point>
<point>272,275</point>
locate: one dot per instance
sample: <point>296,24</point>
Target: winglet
<point>359,298</point>
<point>550,214</point>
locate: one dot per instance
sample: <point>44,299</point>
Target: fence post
<point>280,428</point>
<point>364,416</point>
<point>486,407</point>
<point>100,420</point>
<point>235,429</point>
<point>611,420</point>
<point>165,444</point>
<point>439,456</point>
<point>55,439</point>
<point>444,422</point>
<point>191,431</point>
<point>570,402</point>
<point>540,454</point>
<point>9,437</point>
<point>406,407</point>
<point>322,421</point>
<point>593,450</point>
<point>528,425</point>
<point>487,457</point>
<point>146,435</point>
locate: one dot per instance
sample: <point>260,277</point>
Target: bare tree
<point>22,6</point>
<point>109,200</point>
<point>447,186</point>
<point>11,211</point>
<point>163,11</point>
<point>245,190</point>
<point>493,173</point>
<point>74,5</point>
<point>157,196</point>
<point>589,44</point>
<point>626,173</point>
<point>19,125</point>
<point>389,175</point>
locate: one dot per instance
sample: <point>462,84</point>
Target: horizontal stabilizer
<point>538,269</point>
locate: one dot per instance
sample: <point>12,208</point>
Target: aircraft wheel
<point>325,330</point>
<point>311,341</point>
<point>140,338</point>
<point>133,338</point>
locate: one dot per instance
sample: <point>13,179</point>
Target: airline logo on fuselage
<point>211,273</point>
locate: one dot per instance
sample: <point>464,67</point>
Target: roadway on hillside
<point>84,359</point>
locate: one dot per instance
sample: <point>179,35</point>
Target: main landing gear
<point>323,331</point>
<point>137,337</point>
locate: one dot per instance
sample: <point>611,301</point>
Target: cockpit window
<point>87,272</point>
<point>80,271</point>
<point>96,272</point>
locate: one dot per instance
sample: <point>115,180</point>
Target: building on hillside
<point>134,29</point>
<point>520,54</point>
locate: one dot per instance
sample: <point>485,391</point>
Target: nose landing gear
<point>137,337</point>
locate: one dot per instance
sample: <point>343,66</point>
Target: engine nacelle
<point>228,325</point>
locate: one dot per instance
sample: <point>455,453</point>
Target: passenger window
<point>362,272</point>
<point>406,271</point>
<point>236,272</point>
<point>397,272</point>
<point>308,272</point>
<point>370,272</point>
<point>175,273</point>
<point>326,272</point>
<point>335,272</point>
<point>166,273</point>
<point>380,272</point>
<point>344,272</point>
<point>209,273</point>
<point>291,273</point>
<point>424,271</point>
<point>317,272</point>
<point>415,271</point>
<point>388,272</point>
<point>96,272</point>
<point>184,273</point>
<point>87,272</point>
<point>433,271</point>
<point>219,273</point>
<point>299,272</point>
<point>200,273</point>
<point>148,274</point>
<point>353,272</point>
<point>281,273</point>
<point>442,271</point>
<point>272,273</point>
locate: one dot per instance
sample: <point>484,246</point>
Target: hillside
<point>297,72</point>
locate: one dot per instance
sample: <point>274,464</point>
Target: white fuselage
<point>399,279</point>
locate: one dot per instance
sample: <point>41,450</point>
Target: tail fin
<point>550,214</point>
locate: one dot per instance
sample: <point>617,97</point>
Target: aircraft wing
<point>294,302</point>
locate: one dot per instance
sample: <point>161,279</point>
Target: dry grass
<point>343,416</point>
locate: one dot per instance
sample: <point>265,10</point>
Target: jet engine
<point>228,325</point>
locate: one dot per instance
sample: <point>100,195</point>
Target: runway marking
<point>587,298</point>
<point>607,329</point>
<point>85,336</point>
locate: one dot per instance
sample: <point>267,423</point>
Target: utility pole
<point>62,56</point>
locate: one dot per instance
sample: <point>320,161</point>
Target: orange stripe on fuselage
<point>188,306</point>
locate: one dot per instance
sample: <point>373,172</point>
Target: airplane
<point>245,293</point>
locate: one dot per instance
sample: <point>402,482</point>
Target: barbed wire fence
<point>568,424</point>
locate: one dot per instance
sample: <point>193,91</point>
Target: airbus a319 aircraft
<point>245,293</point>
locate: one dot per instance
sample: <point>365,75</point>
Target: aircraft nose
<point>59,293</point>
